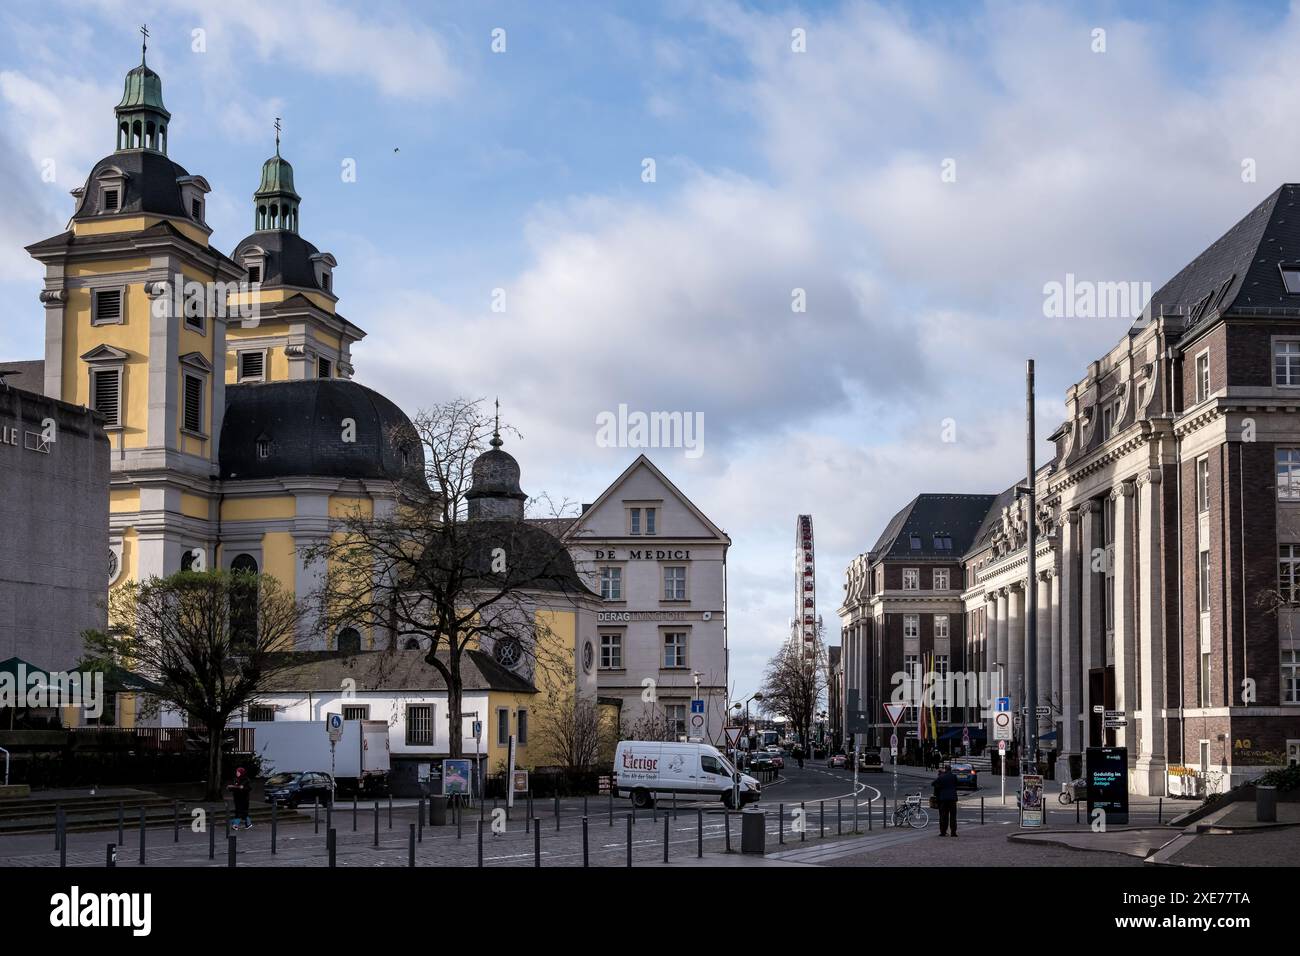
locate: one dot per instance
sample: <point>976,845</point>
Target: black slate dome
<point>282,429</point>
<point>535,560</point>
<point>150,185</point>
<point>288,258</point>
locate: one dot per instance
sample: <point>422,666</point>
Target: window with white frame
<point>1286,363</point>
<point>611,583</point>
<point>107,306</point>
<point>940,626</point>
<point>674,649</point>
<point>941,683</point>
<point>1288,474</point>
<point>1290,675</point>
<point>1203,484</point>
<point>911,626</point>
<point>633,520</point>
<point>911,680</point>
<point>675,717</point>
<point>911,579</point>
<point>611,651</point>
<point>1288,572</point>
<point>941,579</point>
<point>650,516</point>
<point>1203,580</point>
<point>1203,376</point>
<point>674,583</point>
<point>1207,698</point>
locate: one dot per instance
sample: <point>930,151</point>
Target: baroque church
<point>235,428</point>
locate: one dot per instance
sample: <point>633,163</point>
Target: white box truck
<point>360,761</point>
<point>647,769</point>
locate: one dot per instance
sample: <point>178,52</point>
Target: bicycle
<point>911,813</point>
<point>1072,791</point>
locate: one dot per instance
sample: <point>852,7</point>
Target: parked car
<point>966,776</point>
<point>778,761</point>
<point>869,760</point>
<point>295,787</point>
<point>838,761</point>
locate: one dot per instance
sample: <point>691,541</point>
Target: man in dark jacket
<point>243,789</point>
<point>945,791</point>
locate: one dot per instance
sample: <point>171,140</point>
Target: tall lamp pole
<point>744,731</point>
<point>1031,583</point>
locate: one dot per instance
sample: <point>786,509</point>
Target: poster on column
<point>1031,800</point>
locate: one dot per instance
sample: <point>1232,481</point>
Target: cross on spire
<point>277,136</point>
<point>496,427</point>
<point>144,41</point>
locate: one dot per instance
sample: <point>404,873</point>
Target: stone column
<point>1151,777</point>
<point>992,601</point>
<point>1070,647</point>
<point>1125,645</point>
<point>1001,661</point>
<point>1043,642</point>
<point>1092,626</point>
<point>1016,683</point>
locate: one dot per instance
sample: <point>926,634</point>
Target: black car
<point>296,787</point>
<point>761,760</point>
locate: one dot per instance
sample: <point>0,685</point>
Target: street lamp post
<point>744,730</point>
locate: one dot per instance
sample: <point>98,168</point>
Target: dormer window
<point>254,274</point>
<point>263,447</point>
<point>196,209</point>
<point>112,200</point>
<point>325,281</point>
<point>324,368</point>
<point>915,541</point>
<point>1291,277</point>
<point>324,264</point>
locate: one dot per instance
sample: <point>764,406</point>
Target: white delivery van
<point>646,769</point>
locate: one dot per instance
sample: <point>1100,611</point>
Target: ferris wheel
<point>805,582</point>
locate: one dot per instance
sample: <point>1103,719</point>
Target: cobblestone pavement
<point>1279,847</point>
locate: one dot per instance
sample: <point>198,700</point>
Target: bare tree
<point>208,641</point>
<point>425,569</point>
<point>652,724</point>
<point>569,726</point>
<point>794,684</point>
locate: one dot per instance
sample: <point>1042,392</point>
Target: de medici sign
<point>645,554</point>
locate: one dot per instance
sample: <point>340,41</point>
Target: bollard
<point>629,839</point>
<point>884,811</point>
<point>275,804</point>
<point>58,815</point>
<point>480,843</point>
<point>665,838</point>
<point>315,814</point>
<point>63,838</point>
<point>230,850</point>
<point>331,844</point>
<point>870,814</point>
<point>376,823</point>
<point>726,825</point>
<point>839,817</point>
<point>822,834</point>
<point>674,804</point>
<point>121,819</point>
<point>803,818</point>
<point>176,821</point>
<point>1160,811</point>
<point>1076,813</point>
<point>459,816</point>
<point>537,843</point>
<point>699,834</point>
<point>611,806</point>
<point>410,846</point>
<point>584,839</point>
<point>212,843</point>
<point>329,814</point>
<point>142,836</point>
<point>110,858</point>
<point>634,811</point>
<point>530,803</point>
<point>557,811</point>
<point>419,824</point>
<point>1076,810</point>
<point>584,806</point>
<point>354,813</point>
<point>780,823</point>
<point>654,809</point>
<point>390,811</point>
<point>528,820</point>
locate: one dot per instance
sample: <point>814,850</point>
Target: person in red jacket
<point>243,790</point>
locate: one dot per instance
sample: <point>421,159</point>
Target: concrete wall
<point>54,553</point>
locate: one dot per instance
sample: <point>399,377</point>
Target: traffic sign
<point>1044,712</point>
<point>1098,709</point>
<point>1002,725</point>
<point>1002,748</point>
<point>697,723</point>
<point>965,736</point>
<point>894,712</point>
<point>478,730</point>
<point>334,727</point>
<point>1003,703</point>
<point>697,706</point>
<point>733,736</point>
<point>1112,723</point>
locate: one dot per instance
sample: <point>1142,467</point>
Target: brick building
<point>1169,533</point>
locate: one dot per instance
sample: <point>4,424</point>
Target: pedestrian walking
<point>945,792</point>
<point>243,790</point>
<point>798,755</point>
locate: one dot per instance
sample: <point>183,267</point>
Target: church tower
<point>297,332</point>
<point>135,329</point>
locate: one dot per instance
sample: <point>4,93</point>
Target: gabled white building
<point>660,567</point>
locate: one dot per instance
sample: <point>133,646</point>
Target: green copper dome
<point>143,91</point>
<point>277,178</point>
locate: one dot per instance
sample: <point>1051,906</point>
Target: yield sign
<point>733,735</point>
<point>894,712</point>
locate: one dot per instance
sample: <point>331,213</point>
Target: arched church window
<point>349,641</point>
<point>243,599</point>
<point>412,643</point>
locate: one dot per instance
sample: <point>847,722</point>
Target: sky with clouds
<point>919,170</point>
